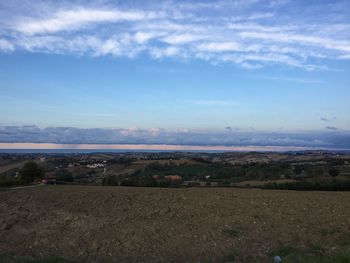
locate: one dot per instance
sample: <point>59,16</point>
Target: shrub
<point>10,181</point>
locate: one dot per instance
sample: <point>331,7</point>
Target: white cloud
<point>143,37</point>
<point>260,28</point>
<point>347,56</point>
<point>110,46</point>
<point>165,52</point>
<point>75,19</point>
<point>246,60</point>
<point>255,16</point>
<point>242,32</point>
<point>221,46</point>
<point>6,46</point>
<point>247,65</point>
<point>182,38</point>
<point>216,4</point>
<point>300,39</point>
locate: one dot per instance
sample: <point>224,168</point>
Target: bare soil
<point>120,224</point>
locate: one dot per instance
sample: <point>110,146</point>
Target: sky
<point>226,72</point>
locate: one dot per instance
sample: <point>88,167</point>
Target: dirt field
<point>115,224</point>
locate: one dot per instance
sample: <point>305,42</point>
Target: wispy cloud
<point>328,119</point>
<point>246,33</point>
<point>221,47</point>
<point>332,128</point>
<point>75,19</point>
<point>6,46</point>
<point>300,39</point>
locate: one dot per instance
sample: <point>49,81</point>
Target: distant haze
<point>145,147</point>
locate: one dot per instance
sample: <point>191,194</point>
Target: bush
<point>10,181</point>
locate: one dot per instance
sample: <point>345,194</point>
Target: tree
<point>333,172</point>
<point>298,169</point>
<point>30,172</point>
<point>64,175</point>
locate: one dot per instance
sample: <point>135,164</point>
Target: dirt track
<point>115,224</point>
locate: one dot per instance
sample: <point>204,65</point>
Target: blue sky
<point>155,69</point>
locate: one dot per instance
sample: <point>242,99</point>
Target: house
<point>156,177</point>
<point>50,178</point>
<point>95,165</point>
<point>49,181</point>
<point>173,178</point>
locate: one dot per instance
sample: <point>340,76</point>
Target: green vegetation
<point>219,172</point>
<point>333,172</point>
<point>30,172</point>
<point>307,175</point>
<point>6,181</point>
<point>299,171</point>
<point>135,180</point>
<point>307,186</point>
<point>64,175</point>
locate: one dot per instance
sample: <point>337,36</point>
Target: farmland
<point>125,224</point>
<point>316,170</point>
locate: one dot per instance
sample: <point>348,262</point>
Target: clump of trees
<point>311,186</point>
<point>138,180</point>
<point>64,175</point>
<point>142,181</point>
<point>334,172</point>
<point>30,172</point>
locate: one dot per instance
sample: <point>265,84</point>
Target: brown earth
<point>117,224</point>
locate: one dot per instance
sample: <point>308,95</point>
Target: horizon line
<point>153,147</point>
